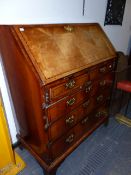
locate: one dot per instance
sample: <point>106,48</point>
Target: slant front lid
<point>59,50</point>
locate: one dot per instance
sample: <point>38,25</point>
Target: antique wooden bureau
<point>60,79</point>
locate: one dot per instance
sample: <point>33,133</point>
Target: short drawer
<point>62,125</point>
<point>102,97</point>
<point>66,105</point>
<point>106,81</point>
<point>101,70</point>
<point>67,86</point>
<point>101,112</point>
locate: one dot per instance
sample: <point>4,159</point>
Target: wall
<point>64,11</point>
<point>9,111</point>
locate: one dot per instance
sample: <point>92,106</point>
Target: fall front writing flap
<point>59,50</point>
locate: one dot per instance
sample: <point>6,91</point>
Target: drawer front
<point>102,97</point>
<point>105,82</point>
<point>62,125</point>
<point>94,86</point>
<point>101,112</point>
<point>67,140</point>
<point>67,87</point>
<point>76,132</point>
<point>101,70</point>
<point>66,105</point>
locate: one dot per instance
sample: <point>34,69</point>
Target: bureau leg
<point>50,173</point>
<point>106,122</point>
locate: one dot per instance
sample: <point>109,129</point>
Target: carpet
<point>105,152</point>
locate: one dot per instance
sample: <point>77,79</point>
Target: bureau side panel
<point>25,91</point>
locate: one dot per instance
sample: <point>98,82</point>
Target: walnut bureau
<point>60,79</point>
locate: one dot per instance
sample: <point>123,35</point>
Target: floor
<point>106,152</point>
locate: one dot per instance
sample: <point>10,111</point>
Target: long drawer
<point>66,122</point>
<point>71,137</point>
<point>66,105</point>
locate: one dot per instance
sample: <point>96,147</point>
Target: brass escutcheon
<point>69,28</point>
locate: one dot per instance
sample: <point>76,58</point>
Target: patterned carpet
<point>106,152</point>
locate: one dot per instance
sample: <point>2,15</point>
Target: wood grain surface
<point>56,52</point>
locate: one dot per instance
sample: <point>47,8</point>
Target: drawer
<point>68,140</point>
<point>65,123</point>
<point>66,105</point>
<point>102,97</point>
<point>101,112</point>
<point>87,124</point>
<point>101,70</point>
<point>95,86</point>
<point>66,87</point>
<point>106,81</point>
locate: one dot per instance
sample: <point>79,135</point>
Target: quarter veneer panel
<point>60,78</point>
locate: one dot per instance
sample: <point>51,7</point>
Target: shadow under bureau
<point>60,78</point>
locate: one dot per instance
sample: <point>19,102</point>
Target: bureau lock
<point>69,28</point>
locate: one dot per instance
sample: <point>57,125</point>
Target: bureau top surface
<point>60,50</point>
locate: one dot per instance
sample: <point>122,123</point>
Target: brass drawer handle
<point>70,139</point>
<point>86,104</point>
<point>88,83</point>
<point>70,84</point>
<point>102,83</point>
<point>101,113</point>
<point>71,102</point>
<point>98,114</point>
<point>70,120</point>
<point>88,89</point>
<point>99,98</point>
<point>85,120</point>
<point>103,69</point>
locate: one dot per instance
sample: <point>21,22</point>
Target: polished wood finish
<point>70,51</point>
<point>60,78</point>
